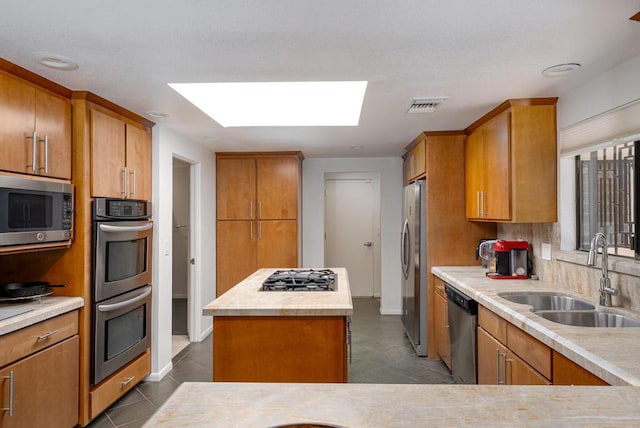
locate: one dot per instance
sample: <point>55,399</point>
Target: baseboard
<point>179,296</point>
<point>390,311</point>
<point>157,376</point>
<point>204,334</point>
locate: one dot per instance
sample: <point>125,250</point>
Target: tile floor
<point>381,353</point>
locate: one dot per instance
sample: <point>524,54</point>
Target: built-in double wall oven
<point>122,245</point>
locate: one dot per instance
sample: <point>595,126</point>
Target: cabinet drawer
<point>535,353</point>
<point>493,324</point>
<point>31,339</point>
<point>119,383</point>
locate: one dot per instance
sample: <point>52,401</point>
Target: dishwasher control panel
<point>461,299</point>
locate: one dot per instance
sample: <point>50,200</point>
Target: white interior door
<point>351,231</point>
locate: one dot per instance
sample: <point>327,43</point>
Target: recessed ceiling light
<point>156,114</point>
<point>560,69</point>
<point>278,103</point>
<point>56,61</point>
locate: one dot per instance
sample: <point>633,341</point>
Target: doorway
<point>181,255</point>
<point>352,229</point>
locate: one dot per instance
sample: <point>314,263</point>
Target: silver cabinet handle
<point>250,231</point>
<point>349,348</point>
<point>259,230</point>
<point>251,210</point>
<point>445,316</point>
<point>498,367</point>
<point>127,381</point>
<point>259,209</point>
<point>46,335</point>
<point>133,182</point>
<point>124,182</point>
<point>34,152</point>
<point>478,204</point>
<point>10,408</point>
<point>46,154</point>
<point>484,204</point>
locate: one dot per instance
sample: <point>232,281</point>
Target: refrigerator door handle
<point>404,252</point>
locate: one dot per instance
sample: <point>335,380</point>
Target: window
<point>607,182</point>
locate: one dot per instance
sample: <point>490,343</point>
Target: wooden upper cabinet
<point>120,158</point>
<point>277,188</point>
<point>138,159</point>
<point>415,160</point>
<point>236,188</point>
<point>27,111</point>
<point>511,163</point>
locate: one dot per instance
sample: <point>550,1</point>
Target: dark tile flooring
<point>381,353</point>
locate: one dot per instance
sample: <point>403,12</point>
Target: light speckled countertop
<point>367,405</point>
<point>42,309</point>
<point>612,354</point>
<point>246,299</point>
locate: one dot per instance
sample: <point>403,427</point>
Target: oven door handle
<point>120,305</point>
<point>110,228</point>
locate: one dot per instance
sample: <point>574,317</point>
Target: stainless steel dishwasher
<point>463,320</point>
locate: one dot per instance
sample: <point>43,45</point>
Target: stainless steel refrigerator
<point>413,255</point>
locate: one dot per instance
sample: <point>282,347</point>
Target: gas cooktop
<point>301,280</point>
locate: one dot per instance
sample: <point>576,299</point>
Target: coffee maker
<point>512,259</point>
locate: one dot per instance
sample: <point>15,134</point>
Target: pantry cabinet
<point>35,129</point>
<point>120,158</point>
<point>441,308</point>
<point>40,385</point>
<point>257,197</point>
<point>510,163</point>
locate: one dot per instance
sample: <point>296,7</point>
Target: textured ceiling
<point>476,52</point>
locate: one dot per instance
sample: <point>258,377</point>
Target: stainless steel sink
<point>548,301</point>
<point>589,318</point>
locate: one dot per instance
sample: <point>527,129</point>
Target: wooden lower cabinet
<point>116,385</point>
<point>566,372</point>
<point>45,388</point>
<point>280,349</point>
<point>441,310</point>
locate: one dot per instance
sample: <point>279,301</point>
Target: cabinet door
<point>236,189</point>
<point>497,178</point>
<point>235,253</point>
<point>520,373</point>
<point>442,329</point>
<point>490,353</point>
<point>277,243</point>
<point>138,160</point>
<point>53,121</point>
<point>419,160</point>
<point>107,156</point>
<point>566,372</point>
<point>45,388</point>
<point>17,122</point>
<point>474,185</point>
<point>277,188</point>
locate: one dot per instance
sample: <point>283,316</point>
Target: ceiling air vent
<point>425,105</point>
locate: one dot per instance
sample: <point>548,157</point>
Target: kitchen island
<point>373,405</point>
<point>281,336</point>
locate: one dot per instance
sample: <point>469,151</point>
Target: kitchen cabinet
<point>508,355</point>
<point>510,163</point>
<point>120,158</point>
<point>35,129</point>
<point>257,225</point>
<point>40,386</point>
<point>415,160</point>
<point>566,372</point>
<point>441,308</point>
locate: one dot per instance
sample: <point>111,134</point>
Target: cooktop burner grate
<point>301,280</point>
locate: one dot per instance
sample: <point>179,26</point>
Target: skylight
<point>277,103</point>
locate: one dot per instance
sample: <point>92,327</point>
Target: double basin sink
<point>569,310</point>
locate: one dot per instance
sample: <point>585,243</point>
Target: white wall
<point>167,145</point>
<point>313,179</point>
<point>612,89</point>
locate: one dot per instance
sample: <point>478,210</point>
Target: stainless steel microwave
<point>34,211</point>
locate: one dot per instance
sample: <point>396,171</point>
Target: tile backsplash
<point>569,270</point>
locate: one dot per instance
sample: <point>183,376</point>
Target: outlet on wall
<point>545,252</point>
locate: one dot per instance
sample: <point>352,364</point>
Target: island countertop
<point>246,299</point>
<point>375,405</point>
<point>613,354</point>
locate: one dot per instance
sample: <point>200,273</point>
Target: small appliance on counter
<point>512,260</point>
<point>485,251</point>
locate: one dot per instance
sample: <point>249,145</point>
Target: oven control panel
<point>118,209</point>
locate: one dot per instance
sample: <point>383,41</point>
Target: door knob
<point>368,244</point>
<point>192,261</point>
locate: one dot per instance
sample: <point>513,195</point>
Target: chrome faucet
<point>606,291</point>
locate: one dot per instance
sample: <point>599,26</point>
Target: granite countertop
<point>40,310</point>
<point>371,405</point>
<point>612,354</point>
<point>246,299</point>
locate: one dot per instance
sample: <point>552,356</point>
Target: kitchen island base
<point>280,349</point>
